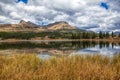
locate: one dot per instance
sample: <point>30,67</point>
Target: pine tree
<point>119,35</point>
<point>112,35</point>
<point>107,35</point>
<point>100,35</point>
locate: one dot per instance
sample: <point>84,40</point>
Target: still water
<point>46,49</point>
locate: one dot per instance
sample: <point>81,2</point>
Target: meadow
<point>79,67</point>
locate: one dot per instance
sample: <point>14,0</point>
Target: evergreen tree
<point>119,35</point>
<point>112,35</point>
<point>100,35</point>
<point>107,35</point>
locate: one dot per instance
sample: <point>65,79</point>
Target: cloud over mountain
<point>85,14</point>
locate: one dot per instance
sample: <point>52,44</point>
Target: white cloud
<point>3,18</point>
<point>15,15</point>
<point>81,13</point>
<point>61,17</point>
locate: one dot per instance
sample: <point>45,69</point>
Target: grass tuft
<point>82,67</point>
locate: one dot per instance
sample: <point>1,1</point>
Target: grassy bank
<point>30,67</point>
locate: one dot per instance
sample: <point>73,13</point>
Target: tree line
<point>58,34</point>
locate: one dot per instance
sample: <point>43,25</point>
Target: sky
<point>94,15</point>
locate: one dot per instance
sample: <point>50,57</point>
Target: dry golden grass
<point>30,67</point>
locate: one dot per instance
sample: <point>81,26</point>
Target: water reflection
<point>46,48</point>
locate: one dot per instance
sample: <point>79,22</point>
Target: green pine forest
<point>58,34</point>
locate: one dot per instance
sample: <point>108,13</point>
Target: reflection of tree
<point>113,44</point>
<point>55,45</point>
<point>107,44</point>
<point>104,44</point>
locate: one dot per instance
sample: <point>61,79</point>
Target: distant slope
<point>60,25</point>
<point>21,26</point>
<point>29,26</point>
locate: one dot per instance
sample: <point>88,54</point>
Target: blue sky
<point>104,5</point>
<point>24,1</point>
<point>92,15</point>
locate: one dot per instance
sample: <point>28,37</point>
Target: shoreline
<point>60,40</point>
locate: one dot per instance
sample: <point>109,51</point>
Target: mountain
<point>21,26</point>
<point>60,25</point>
<point>117,32</point>
<point>29,26</point>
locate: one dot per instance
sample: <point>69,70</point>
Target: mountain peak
<point>61,22</point>
<point>60,25</point>
<point>28,23</point>
<point>22,21</point>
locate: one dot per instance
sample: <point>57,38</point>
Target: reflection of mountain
<point>54,48</point>
<point>51,52</point>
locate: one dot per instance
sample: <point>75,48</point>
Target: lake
<point>46,49</point>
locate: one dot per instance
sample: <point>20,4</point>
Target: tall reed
<point>82,67</point>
